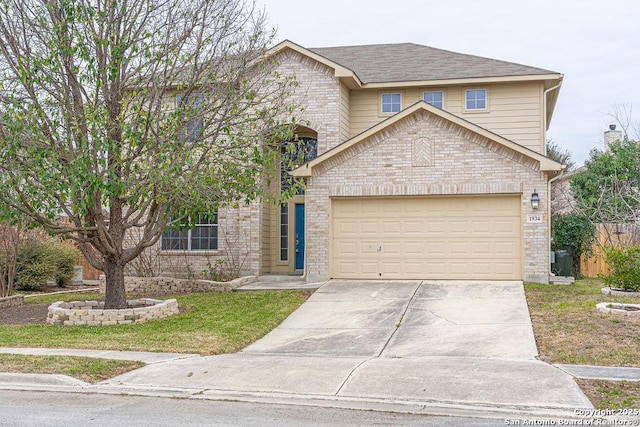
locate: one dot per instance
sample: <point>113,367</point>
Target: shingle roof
<point>405,62</point>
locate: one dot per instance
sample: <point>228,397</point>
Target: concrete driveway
<point>402,319</point>
<point>429,345</point>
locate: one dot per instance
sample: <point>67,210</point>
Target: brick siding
<point>461,163</point>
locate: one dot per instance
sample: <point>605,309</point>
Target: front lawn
<point>88,369</point>
<point>209,323</point>
<point>570,330</point>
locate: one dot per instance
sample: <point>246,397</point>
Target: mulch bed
<point>26,314</point>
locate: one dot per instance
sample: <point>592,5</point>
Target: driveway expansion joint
<point>399,323</point>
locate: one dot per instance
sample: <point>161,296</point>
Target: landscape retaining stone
<point>93,312</point>
<point>619,292</point>
<point>165,285</point>
<point>618,308</point>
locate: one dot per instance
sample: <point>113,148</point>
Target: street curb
<point>65,384</point>
<point>601,373</point>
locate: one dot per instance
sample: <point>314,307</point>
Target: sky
<point>595,44</point>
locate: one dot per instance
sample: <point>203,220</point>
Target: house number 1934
<point>534,218</point>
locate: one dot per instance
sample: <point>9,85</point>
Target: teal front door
<point>299,241</point>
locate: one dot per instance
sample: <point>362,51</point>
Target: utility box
<point>563,265</point>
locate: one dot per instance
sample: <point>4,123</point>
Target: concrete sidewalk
<point>604,373</point>
<point>438,385</point>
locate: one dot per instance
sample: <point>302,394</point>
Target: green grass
<point>209,323</point>
<point>87,369</point>
<point>570,330</point>
<point>612,394</point>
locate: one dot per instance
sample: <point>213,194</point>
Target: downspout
<point>544,117</point>
<point>555,178</point>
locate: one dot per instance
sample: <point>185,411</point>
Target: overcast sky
<point>595,44</point>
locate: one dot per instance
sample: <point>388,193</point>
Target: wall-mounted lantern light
<point>535,200</point>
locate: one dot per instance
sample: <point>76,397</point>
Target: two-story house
<point>421,164</point>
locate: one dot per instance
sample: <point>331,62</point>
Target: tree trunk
<point>115,293</point>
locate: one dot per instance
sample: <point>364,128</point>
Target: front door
<point>299,236</point>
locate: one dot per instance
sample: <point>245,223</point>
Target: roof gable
<point>545,164</point>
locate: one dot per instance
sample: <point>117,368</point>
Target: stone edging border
<point>91,313</point>
<point>619,293</point>
<point>172,284</point>
<point>610,307</point>
<point>12,301</point>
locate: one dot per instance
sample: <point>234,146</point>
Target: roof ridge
<point>408,61</point>
<point>448,51</point>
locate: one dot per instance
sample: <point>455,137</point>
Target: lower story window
<point>203,236</point>
<point>284,232</point>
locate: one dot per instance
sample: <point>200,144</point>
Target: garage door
<point>471,237</point>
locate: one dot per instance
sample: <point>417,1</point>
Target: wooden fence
<point>607,235</point>
<point>89,272</point>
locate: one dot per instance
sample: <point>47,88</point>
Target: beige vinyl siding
<point>514,109</point>
<point>344,113</point>
<point>364,110</point>
<point>515,112</point>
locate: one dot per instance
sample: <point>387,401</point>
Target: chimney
<point>611,136</point>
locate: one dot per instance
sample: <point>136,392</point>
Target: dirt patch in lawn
<point>26,314</point>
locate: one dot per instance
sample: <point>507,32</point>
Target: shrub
<point>40,259</point>
<point>572,230</point>
<point>65,258</point>
<point>624,268</point>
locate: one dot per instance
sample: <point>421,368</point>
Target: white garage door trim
<point>430,237</point>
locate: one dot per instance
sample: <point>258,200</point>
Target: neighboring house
<point>562,201</point>
<point>427,164</point>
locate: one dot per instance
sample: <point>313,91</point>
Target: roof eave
<point>552,99</point>
<point>340,71</point>
<point>464,81</point>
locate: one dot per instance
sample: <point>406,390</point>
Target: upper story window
<point>203,236</point>
<point>435,98</point>
<point>194,126</point>
<point>476,99</point>
<point>391,103</point>
<point>295,153</point>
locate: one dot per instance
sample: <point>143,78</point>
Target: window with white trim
<point>194,124</point>
<point>391,103</point>
<point>284,232</point>
<point>202,236</point>
<point>476,99</point>
<point>435,98</point>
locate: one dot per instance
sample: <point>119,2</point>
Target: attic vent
<point>422,152</point>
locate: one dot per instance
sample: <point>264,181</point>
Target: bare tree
<point>622,114</point>
<point>10,238</point>
<point>125,114</point>
<point>607,191</point>
<point>560,155</point>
